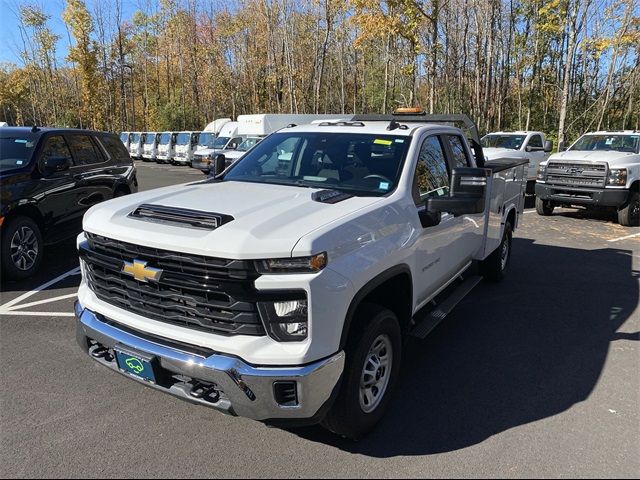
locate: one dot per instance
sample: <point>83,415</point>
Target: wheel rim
<point>504,254</point>
<point>24,248</point>
<point>376,373</point>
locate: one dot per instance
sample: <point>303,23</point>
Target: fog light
<point>285,321</point>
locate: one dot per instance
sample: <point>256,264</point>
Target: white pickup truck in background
<point>282,288</point>
<point>601,169</point>
<point>532,146</point>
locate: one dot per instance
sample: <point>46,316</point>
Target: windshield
<point>620,143</point>
<point>356,163</point>
<point>183,139</point>
<point>150,139</point>
<point>164,139</point>
<point>135,138</point>
<point>248,143</point>
<point>16,150</point>
<point>221,142</point>
<point>512,142</point>
<point>206,139</point>
<point>124,137</point>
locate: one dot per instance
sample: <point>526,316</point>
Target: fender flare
<point>369,287</point>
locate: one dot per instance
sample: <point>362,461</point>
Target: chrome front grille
<point>577,174</point>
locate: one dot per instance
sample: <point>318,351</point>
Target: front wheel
<point>544,207</point>
<point>629,216</point>
<point>21,248</point>
<point>374,352</point>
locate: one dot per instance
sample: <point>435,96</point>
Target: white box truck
<point>150,146</point>
<point>209,134</point>
<point>282,289</point>
<point>186,143</point>
<point>227,139</point>
<point>166,147</point>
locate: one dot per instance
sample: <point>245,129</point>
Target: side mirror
<point>468,194</point>
<point>219,164</point>
<point>548,146</point>
<point>56,164</point>
<point>562,146</point>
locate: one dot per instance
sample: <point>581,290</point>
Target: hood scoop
<point>180,216</point>
<point>330,196</point>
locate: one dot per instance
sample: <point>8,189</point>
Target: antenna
<point>34,129</point>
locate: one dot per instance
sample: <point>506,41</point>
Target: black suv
<point>48,179</point>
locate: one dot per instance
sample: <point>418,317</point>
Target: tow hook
<point>99,352</point>
<point>206,392</point>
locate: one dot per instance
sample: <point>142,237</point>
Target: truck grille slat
<point>196,292</point>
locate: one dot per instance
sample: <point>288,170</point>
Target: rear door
<point>92,172</point>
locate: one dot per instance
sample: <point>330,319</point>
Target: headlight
<point>542,169</point>
<point>312,264</point>
<point>285,321</point>
<point>617,177</point>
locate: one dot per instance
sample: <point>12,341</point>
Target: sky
<point>10,39</point>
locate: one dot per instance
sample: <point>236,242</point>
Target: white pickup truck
<point>600,169</point>
<point>282,288</point>
<point>532,146</point>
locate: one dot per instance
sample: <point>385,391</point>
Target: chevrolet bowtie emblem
<point>139,270</point>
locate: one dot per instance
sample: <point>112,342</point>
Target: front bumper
<point>200,163</point>
<point>238,388</point>
<point>602,197</point>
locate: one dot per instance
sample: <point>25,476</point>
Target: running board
<point>441,310</point>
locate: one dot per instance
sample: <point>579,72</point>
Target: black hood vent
<point>180,216</point>
<point>330,196</point>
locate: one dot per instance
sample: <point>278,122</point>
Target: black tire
<point>347,417</point>
<point>629,215</point>
<point>544,207</point>
<point>24,233</point>
<point>495,266</point>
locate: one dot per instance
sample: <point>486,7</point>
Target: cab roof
<point>366,127</point>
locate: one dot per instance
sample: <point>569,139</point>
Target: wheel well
<point>394,292</point>
<point>511,218</point>
<point>28,211</point>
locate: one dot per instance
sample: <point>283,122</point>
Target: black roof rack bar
<point>468,124</point>
<point>342,123</point>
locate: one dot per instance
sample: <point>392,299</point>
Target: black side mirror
<point>562,146</point>
<point>219,164</point>
<point>56,164</point>
<point>468,192</point>
<point>548,146</point>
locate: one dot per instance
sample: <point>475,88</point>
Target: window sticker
<point>384,186</point>
<point>380,141</point>
<point>20,140</point>
<point>19,162</point>
<point>399,140</point>
<point>609,141</point>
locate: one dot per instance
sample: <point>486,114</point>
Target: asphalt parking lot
<point>538,376</point>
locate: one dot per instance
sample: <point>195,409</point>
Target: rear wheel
<point>629,216</point>
<point>495,266</point>
<point>21,248</point>
<point>544,207</point>
<point>372,366</point>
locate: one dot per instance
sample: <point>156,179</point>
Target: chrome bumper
<point>241,389</point>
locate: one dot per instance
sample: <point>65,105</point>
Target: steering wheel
<point>379,177</point>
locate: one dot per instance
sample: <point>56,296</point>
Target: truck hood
<point>493,153</point>
<point>612,157</point>
<point>268,220</point>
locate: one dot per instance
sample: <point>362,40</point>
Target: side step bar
<point>442,309</point>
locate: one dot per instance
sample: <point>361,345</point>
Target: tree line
<point>561,66</point>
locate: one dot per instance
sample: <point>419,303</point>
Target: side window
<point>115,149</point>
<point>536,141</point>
<point>460,158</point>
<point>84,151</point>
<point>234,143</point>
<point>55,146</point>
<point>431,177</point>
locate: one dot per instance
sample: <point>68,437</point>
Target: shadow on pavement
<point>524,350</point>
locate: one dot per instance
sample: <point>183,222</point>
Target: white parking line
<point>18,313</point>
<point>5,308</point>
<point>529,211</point>
<point>624,238</point>
<point>39,302</point>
